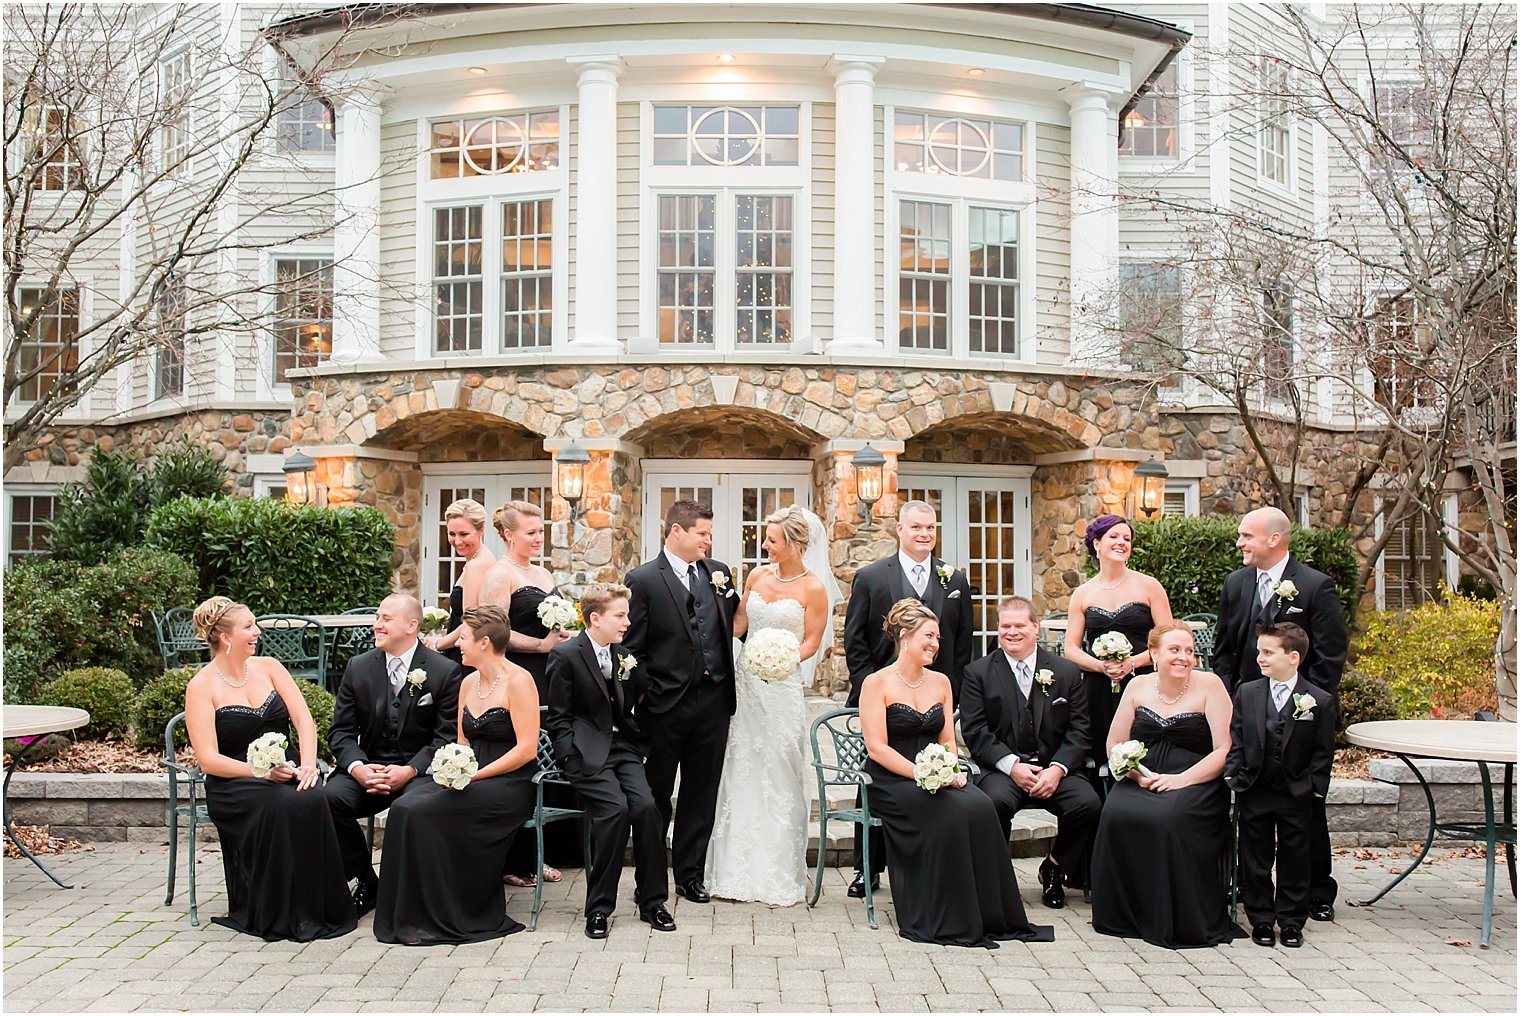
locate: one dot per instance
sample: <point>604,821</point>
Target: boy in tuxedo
<point>1282,740</point>
<point>593,685</point>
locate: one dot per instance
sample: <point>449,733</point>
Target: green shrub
<point>186,470</point>
<point>321,703</point>
<point>1191,557</point>
<point>280,558</point>
<point>106,694</point>
<point>1438,658</point>
<point>1364,699</point>
<point>52,746</point>
<point>160,700</point>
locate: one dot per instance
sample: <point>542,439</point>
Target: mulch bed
<point>1353,763</point>
<point>36,839</point>
<point>103,757</point>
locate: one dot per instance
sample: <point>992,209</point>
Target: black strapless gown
<point>456,614</point>
<point>947,854</point>
<point>445,850</point>
<point>1135,622</point>
<point>1158,859</point>
<point>279,851</point>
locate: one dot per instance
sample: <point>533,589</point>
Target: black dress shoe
<point>1051,892</point>
<point>694,891</point>
<point>1321,910</point>
<point>658,918</point>
<point>1263,934</point>
<point>596,925</point>
<point>364,897</point>
<point>857,890</point>
<point>1292,937</point>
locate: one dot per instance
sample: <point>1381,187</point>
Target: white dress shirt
<point>908,564</point>
<point>1275,573</point>
<point>679,567</point>
<point>1280,693</point>
<point>605,663</point>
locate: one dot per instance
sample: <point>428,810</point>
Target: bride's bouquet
<point>935,767</point>
<point>267,753</point>
<point>1124,758</point>
<point>1113,647</point>
<point>558,612</point>
<point>453,765</point>
<point>772,654</point>
<point>433,618</point>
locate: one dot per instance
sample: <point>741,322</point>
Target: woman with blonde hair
<point>279,850</point>
<point>466,522</point>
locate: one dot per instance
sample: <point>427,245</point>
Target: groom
<point>681,629</point>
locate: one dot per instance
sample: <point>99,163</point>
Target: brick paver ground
<point>111,945</point>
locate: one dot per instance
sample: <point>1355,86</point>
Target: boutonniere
<point>1285,590</point>
<point>414,680</point>
<point>720,583</point>
<point>626,665</point>
<point>1044,679</point>
<point>1303,706</point>
<point>944,572</point>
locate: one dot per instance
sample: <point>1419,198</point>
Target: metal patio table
<point>34,722</point>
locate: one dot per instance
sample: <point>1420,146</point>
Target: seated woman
<point>445,850</point>
<point>284,873</point>
<point>947,854</point>
<point>1161,849</point>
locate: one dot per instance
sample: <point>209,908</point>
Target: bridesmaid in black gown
<point>466,522</point>
<point>445,850</point>
<point>1115,599</point>
<point>279,851</point>
<point>1160,856</point>
<point>947,853</point>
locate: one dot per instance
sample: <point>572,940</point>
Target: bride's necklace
<point>776,574</point>
<point>1173,701</point>
<point>482,692</point>
<point>904,680</point>
<point>224,678</point>
<point>1115,585</point>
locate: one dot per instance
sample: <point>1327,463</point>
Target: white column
<point>356,229</point>
<point>1094,218</point>
<point>595,182</point>
<point>855,225</point>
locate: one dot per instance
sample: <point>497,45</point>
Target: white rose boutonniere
<point>415,680</point>
<point>944,572</point>
<point>721,584</point>
<point>1285,590</point>
<point>1044,679</point>
<point>626,665</point>
<point>1303,706</point>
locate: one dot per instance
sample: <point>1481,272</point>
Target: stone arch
<point>993,438</point>
<point>459,435</point>
<point>724,431</point>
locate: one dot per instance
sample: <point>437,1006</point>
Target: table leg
<point>1509,820</point>
<point>1490,843</point>
<point>1430,837</point>
<point>5,805</point>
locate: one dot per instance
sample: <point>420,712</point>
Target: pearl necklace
<point>904,680</point>
<point>482,692</point>
<point>1104,585</point>
<point>776,574</point>
<point>1173,701</point>
<point>223,676</point>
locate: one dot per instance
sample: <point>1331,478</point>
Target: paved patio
<point>110,944</point>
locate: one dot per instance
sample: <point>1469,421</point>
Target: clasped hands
<point>1036,781</point>
<point>1161,782</point>
<point>284,774</point>
<point>1117,670</point>
<point>377,779</point>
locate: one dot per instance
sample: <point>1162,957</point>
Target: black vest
<point>709,621</point>
<point>1024,740</point>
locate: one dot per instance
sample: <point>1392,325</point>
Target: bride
<point>758,850</point>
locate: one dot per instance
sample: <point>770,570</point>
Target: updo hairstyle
<point>211,620</point>
<point>489,621</point>
<point>1153,640</point>
<point>905,618</point>
<point>1098,527</point>
<point>510,515</point>
<point>794,526</point>
<point>467,508</point>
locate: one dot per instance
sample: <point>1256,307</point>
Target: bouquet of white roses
<point>267,753</point>
<point>1124,758</point>
<point>935,767</point>
<point>453,765</point>
<point>433,618</point>
<point>558,612</point>
<point>772,654</point>
<point>1115,648</point>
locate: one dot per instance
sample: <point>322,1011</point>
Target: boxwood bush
<point>160,700</point>
<point>106,694</point>
<point>280,558</point>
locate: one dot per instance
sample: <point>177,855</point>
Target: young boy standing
<point>1282,741</point>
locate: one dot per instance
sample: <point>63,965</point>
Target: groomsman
<point>1024,717</point>
<point>913,572</point>
<point>681,629</point>
<point>397,704</point>
<point>1273,587</point>
<point>592,685</point>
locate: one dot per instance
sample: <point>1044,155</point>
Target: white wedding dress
<point>758,850</point>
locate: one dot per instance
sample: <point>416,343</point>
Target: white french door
<point>492,484</point>
<point>984,528</point>
<point>741,495</point>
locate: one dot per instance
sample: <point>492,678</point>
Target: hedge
<point>160,700</point>
<point>280,558</point>
<point>106,694</point>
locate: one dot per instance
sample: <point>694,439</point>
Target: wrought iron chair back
<point>177,642</point>
<point>847,746</point>
<point>1057,643</point>
<point>195,810</point>
<point>298,642</point>
<point>549,772</point>
<point>353,641</point>
<point>1203,639</point>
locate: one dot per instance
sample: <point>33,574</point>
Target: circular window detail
<point>495,146</point>
<point>959,147</point>
<point>726,136</point>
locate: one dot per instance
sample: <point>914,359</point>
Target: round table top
<point>1458,740</point>
<point>26,721</point>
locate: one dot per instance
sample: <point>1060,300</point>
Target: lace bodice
<point>787,614</point>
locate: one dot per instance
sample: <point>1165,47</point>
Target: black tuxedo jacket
<point>1316,609</point>
<point>989,708</point>
<point>582,708</point>
<point>429,718</point>
<point>663,637</point>
<point>1308,744</point>
<point>876,588</point>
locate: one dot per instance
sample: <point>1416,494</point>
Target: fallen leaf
<point>1458,941</point>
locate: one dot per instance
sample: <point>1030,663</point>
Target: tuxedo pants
<point>1274,825</point>
<point>349,802</point>
<point>691,736</point>
<point>617,798</point>
<point>1322,884</point>
<point>1074,803</point>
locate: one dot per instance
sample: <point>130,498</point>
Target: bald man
<point>1272,587</point>
<point>397,705</point>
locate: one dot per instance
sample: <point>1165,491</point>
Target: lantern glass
<point>868,483</point>
<point>572,480</point>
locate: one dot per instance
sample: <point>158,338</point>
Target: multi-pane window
<point>303,313</point>
<point>61,152</point>
<point>1413,563</point>
<point>174,134</point>
<point>527,273</point>
<point>1406,116</point>
<point>29,531</point>
<point>1401,370</point>
<point>1150,127</point>
<point>763,268</point>
<point>958,146</point>
<point>525,142</point>
<point>305,122</point>
<point>726,136</point>
<point>1274,143</point>
<point>688,239</point>
<point>994,302</point>
<point>49,347</point>
<point>169,358</point>
<point>458,278</point>
<point>1150,316</point>
<point>923,315</point>
<point>1277,353</point>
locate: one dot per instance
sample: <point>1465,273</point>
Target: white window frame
<point>512,472</point>
<point>1186,115</point>
<point>13,490</point>
<point>1450,564</point>
<point>492,192</point>
<point>1289,125</point>
<point>161,351</point>
<point>264,484</point>
<point>278,73</point>
<point>1270,399</point>
<point>724,476</point>
<point>267,342</point>
<point>84,301</point>
<point>1186,281</point>
<point>726,183</point>
<point>1189,491</point>
<point>185,159</point>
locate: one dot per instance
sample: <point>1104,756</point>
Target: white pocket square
<point>1295,610</point>
<point>426,700</point>
<point>955,594</point>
